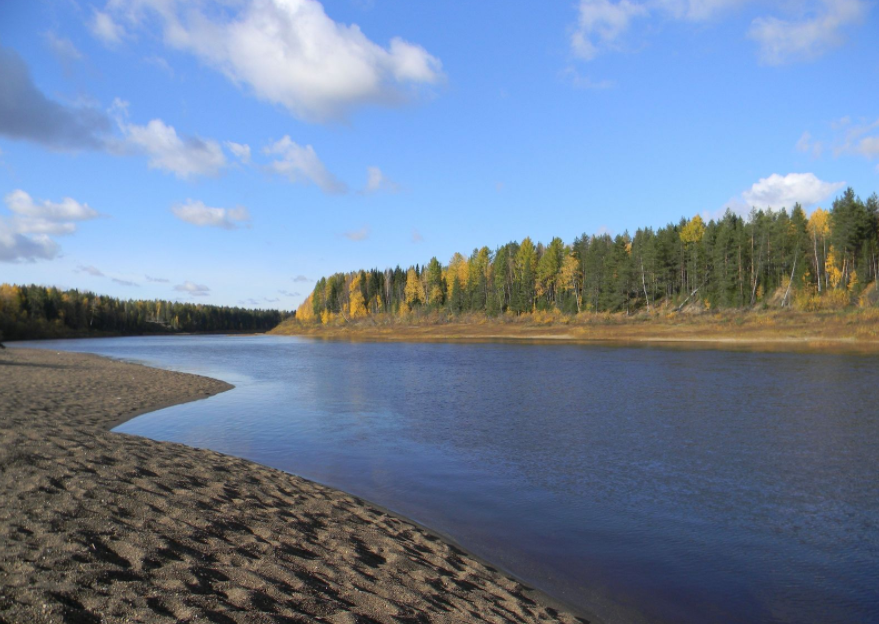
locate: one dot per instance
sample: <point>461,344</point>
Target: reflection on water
<point>690,486</point>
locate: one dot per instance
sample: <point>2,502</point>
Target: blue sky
<point>231,152</point>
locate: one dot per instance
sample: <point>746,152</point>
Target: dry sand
<point>97,526</point>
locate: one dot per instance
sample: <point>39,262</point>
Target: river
<point>647,484</point>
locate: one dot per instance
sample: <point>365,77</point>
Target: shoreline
<point>99,524</point>
<point>794,333</point>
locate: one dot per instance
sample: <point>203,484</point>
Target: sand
<point>98,526</point>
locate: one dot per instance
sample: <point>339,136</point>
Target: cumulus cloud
<point>357,235</point>
<point>779,191</point>
<point>240,150</point>
<point>288,52</point>
<point>196,213</point>
<point>193,289</point>
<point>17,247</point>
<point>808,36</point>
<point>301,164</point>
<point>26,234</point>
<point>26,114</point>
<point>376,181</point>
<point>185,157</point>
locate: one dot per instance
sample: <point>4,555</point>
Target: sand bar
<point>97,526</point>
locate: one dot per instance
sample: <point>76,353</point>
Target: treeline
<point>829,259</point>
<point>28,312</point>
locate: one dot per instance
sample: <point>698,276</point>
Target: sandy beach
<point>97,526</point>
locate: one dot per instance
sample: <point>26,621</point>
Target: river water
<point>639,484</point>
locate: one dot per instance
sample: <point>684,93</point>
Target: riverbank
<point>98,526</point>
<point>772,330</point>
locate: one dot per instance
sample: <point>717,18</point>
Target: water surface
<point>684,486</point>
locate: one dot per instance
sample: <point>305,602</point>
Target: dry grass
<point>852,330</point>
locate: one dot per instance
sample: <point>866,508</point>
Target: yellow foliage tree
<point>414,288</point>
<point>834,273</point>
<point>305,312</point>
<point>459,268</point>
<point>693,231</point>
<point>356,303</point>
<point>819,228</point>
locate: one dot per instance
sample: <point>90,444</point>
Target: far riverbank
<point>785,331</point>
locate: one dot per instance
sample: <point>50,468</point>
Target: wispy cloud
<point>357,235</point>
<point>807,36</point>
<point>196,213</point>
<point>301,165</point>
<point>91,270</point>
<point>804,34</point>
<point>159,280</point>
<point>376,182</point>
<point>416,236</point>
<point>302,278</point>
<point>240,150</point>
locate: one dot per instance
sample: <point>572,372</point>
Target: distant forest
<point>28,312</point>
<point>828,260</point>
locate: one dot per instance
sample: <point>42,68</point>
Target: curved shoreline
<point>96,524</point>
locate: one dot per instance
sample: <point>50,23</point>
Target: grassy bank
<point>771,330</point>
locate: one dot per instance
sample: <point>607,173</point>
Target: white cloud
<point>161,63</point>
<point>357,235</point>
<point>91,270</point>
<point>302,278</point>
<point>579,81</point>
<point>105,28</point>
<point>184,157</point>
<point>806,33</point>
<point>377,181</point>
<point>67,210</point>
<point>416,236</point>
<point>807,144</point>
<point>287,52</point>
<point>196,213</point>
<point>778,191</point>
<point>160,280</point>
<point>600,23</point>
<point>240,150</point>
<point>807,36</point>
<point>301,164</point>
<point>195,290</point>
<point>26,235</point>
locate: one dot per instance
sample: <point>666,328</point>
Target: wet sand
<point>98,526</point>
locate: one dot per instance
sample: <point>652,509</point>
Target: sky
<point>234,151</point>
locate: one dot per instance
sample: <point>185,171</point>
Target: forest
<point>31,312</point>
<point>827,260</point>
